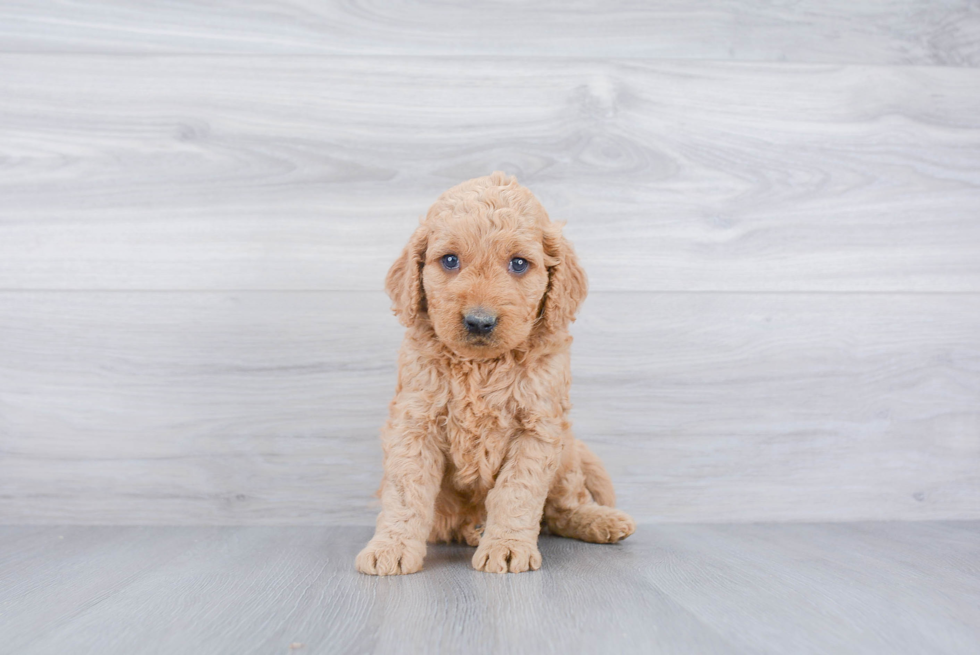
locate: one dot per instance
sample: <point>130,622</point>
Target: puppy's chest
<point>480,425</point>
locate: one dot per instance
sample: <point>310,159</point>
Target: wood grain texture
<point>309,172</point>
<point>190,408</point>
<point>829,31</point>
<point>857,588</point>
<point>777,204</point>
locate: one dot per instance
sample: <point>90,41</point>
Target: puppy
<point>478,447</point>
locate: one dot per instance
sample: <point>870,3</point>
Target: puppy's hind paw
<point>593,523</point>
<point>381,557</point>
<point>605,525</point>
<point>610,526</point>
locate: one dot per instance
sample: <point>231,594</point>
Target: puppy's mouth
<point>479,341</point>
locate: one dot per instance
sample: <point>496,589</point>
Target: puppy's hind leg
<point>456,519</point>
<point>571,509</point>
<point>597,481</point>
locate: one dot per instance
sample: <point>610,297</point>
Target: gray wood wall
<point>778,204</point>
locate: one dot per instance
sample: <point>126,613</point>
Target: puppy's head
<point>488,269</point>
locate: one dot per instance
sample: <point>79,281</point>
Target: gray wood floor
<point>755,588</point>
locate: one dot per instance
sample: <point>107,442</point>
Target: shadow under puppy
<point>478,446</point>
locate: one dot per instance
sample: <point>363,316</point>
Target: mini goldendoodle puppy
<point>478,447</point>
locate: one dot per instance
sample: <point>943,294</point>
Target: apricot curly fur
<point>478,447</point>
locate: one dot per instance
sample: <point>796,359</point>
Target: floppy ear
<point>404,281</point>
<point>567,284</point>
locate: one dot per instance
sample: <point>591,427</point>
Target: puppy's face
<point>486,268</point>
<point>484,280</point>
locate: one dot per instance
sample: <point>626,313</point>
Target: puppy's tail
<point>596,479</point>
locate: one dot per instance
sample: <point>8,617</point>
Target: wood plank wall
<point>778,204</point>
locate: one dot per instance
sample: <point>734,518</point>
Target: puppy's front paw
<point>503,555</point>
<point>382,557</point>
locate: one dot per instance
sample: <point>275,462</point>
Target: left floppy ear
<point>567,284</point>
<point>404,281</point>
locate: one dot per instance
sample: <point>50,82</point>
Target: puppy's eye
<point>518,265</point>
<point>450,262</point>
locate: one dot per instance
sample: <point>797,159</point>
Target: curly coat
<point>478,447</point>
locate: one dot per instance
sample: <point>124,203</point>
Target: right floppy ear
<point>404,281</point>
<point>567,284</point>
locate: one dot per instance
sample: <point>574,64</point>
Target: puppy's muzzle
<point>479,322</point>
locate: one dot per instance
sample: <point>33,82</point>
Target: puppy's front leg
<point>413,470</point>
<point>515,505</point>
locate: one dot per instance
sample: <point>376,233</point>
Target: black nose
<point>479,321</point>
